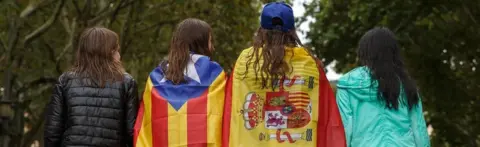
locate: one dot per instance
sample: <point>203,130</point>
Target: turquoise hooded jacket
<point>367,121</point>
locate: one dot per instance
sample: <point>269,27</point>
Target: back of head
<point>190,36</point>
<point>378,50</point>
<point>95,57</point>
<point>277,32</point>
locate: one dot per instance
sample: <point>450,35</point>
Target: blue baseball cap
<point>279,10</point>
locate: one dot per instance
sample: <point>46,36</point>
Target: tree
<point>38,40</point>
<point>439,42</point>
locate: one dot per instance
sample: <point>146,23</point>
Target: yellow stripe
<point>300,103</point>
<point>216,97</point>
<point>299,99</point>
<point>145,136</point>
<point>177,126</point>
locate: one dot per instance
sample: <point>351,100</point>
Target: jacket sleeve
<point>330,129</point>
<point>54,117</point>
<point>344,106</point>
<point>132,105</point>
<point>419,127</point>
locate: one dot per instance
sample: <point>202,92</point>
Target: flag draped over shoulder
<point>184,115</point>
<point>301,111</point>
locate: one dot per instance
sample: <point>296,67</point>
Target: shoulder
<point>302,54</point>
<point>127,78</point>
<point>128,82</point>
<point>356,78</point>
<point>244,57</point>
<point>361,72</point>
<point>205,60</point>
<point>204,65</point>
<point>246,52</point>
<point>65,77</point>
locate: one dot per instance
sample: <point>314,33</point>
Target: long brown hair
<point>95,56</point>
<point>191,35</point>
<point>270,45</point>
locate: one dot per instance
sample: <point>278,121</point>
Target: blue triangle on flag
<point>177,102</point>
<point>178,95</point>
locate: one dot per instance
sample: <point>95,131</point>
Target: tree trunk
<point>4,139</point>
<point>17,126</point>
<point>7,78</point>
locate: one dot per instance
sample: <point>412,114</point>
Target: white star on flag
<point>190,71</point>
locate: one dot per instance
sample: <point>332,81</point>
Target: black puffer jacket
<point>83,114</point>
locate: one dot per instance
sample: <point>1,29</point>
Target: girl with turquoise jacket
<point>379,102</point>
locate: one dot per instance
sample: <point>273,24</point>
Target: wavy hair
<point>269,47</point>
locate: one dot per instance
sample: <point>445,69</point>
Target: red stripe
<point>197,121</point>
<point>322,109</point>
<point>300,105</point>
<point>159,120</point>
<point>227,112</point>
<point>138,123</point>
<point>298,93</point>
<point>298,97</point>
<point>330,132</point>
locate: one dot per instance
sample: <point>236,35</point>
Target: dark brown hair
<point>270,45</point>
<point>191,35</point>
<point>95,56</point>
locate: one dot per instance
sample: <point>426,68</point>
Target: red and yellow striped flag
<point>185,115</point>
<point>301,111</point>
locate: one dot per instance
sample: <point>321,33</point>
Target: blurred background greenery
<point>438,38</point>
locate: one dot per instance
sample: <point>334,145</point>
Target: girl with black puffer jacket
<point>96,102</point>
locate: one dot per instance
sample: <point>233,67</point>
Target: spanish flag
<point>300,111</point>
<point>186,115</point>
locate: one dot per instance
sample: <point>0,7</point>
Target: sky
<point>298,11</point>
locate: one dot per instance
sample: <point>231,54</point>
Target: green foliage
<point>38,40</point>
<point>439,42</point>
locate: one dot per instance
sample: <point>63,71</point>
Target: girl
<point>183,98</point>
<point>378,101</point>
<point>278,94</point>
<point>95,103</point>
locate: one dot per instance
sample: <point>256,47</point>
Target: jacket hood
<point>359,82</point>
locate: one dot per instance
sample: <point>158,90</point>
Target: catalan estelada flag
<point>185,115</point>
<point>301,110</point>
